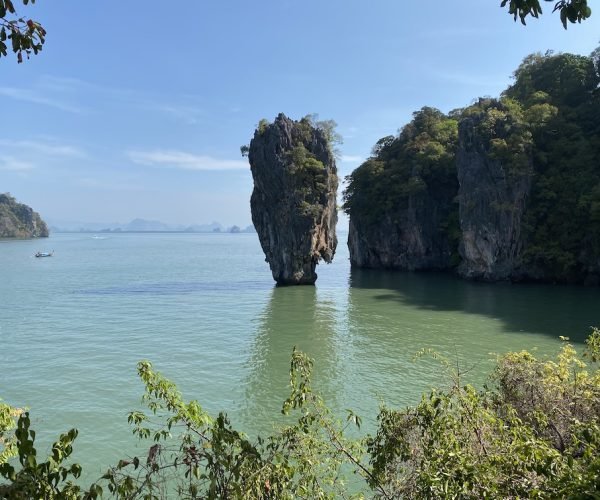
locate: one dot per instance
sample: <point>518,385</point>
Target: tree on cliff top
<point>24,35</point>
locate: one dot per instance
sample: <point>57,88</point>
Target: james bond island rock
<point>505,189</point>
<point>19,221</point>
<point>401,201</point>
<point>294,198</point>
<point>494,168</point>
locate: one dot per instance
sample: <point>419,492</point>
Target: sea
<point>204,309</point>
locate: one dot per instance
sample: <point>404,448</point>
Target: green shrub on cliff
<point>18,220</point>
<point>561,224</point>
<point>505,132</point>
<point>420,159</point>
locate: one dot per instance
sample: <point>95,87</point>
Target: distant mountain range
<point>143,225</point>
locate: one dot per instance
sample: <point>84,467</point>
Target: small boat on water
<point>44,254</point>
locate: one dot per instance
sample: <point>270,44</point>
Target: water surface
<point>204,310</point>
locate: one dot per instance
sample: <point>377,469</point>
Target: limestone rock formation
<point>19,221</point>
<point>294,198</point>
<point>409,239</point>
<point>446,193</point>
<point>401,201</point>
<point>492,194</point>
<point>526,173</point>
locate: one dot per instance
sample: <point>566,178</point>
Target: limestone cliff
<point>401,201</point>
<point>409,239</point>
<point>442,200</point>
<point>494,184</point>
<point>293,203</point>
<point>19,221</point>
<point>525,169</point>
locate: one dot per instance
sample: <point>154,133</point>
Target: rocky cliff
<point>402,203</point>
<point>19,221</point>
<point>293,203</point>
<point>449,194</point>
<point>408,239</point>
<point>513,195</point>
<point>494,183</point>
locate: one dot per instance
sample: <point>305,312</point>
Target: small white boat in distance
<point>44,254</point>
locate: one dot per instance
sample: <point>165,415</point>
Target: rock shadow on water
<point>554,310</point>
<point>293,316</point>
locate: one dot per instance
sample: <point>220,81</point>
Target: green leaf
<point>563,17</point>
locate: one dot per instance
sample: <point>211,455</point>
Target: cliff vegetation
<point>19,221</point>
<point>506,188</point>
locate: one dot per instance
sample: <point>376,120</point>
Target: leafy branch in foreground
<point>533,433</point>
<point>49,479</point>
<point>23,35</point>
<point>8,421</point>
<point>195,455</point>
<point>572,11</point>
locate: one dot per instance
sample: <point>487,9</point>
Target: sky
<point>137,109</point>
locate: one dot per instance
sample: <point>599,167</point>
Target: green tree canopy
<point>419,159</point>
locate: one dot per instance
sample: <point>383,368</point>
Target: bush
<point>534,432</point>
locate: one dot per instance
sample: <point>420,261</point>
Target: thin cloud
<point>468,79</point>
<point>97,184</point>
<point>71,86</point>
<point>46,148</point>
<point>184,161</point>
<point>9,163</point>
<point>37,98</point>
<point>62,84</point>
<point>189,114</point>
<point>350,132</point>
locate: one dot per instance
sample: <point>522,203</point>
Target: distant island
<point>146,226</point>
<point>19,221</point>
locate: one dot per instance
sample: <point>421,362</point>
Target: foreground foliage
<point>23,35</point>
<point>534,432</point>
<point>570,11</point>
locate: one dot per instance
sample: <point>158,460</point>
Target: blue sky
<point>139,110</point>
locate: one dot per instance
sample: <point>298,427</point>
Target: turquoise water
<point>203,308</point>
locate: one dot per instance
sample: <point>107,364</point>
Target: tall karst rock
<point>494,167</point>
<point>19,221</point>
<point>294,198</point>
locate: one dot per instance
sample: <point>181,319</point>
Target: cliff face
<point>410,239</point>
<point>293,203</point>
<point>401,201</point>
<point>526,178</point>
<point>492,194</point>
<point>19,221</point>
<point>459,198</point>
